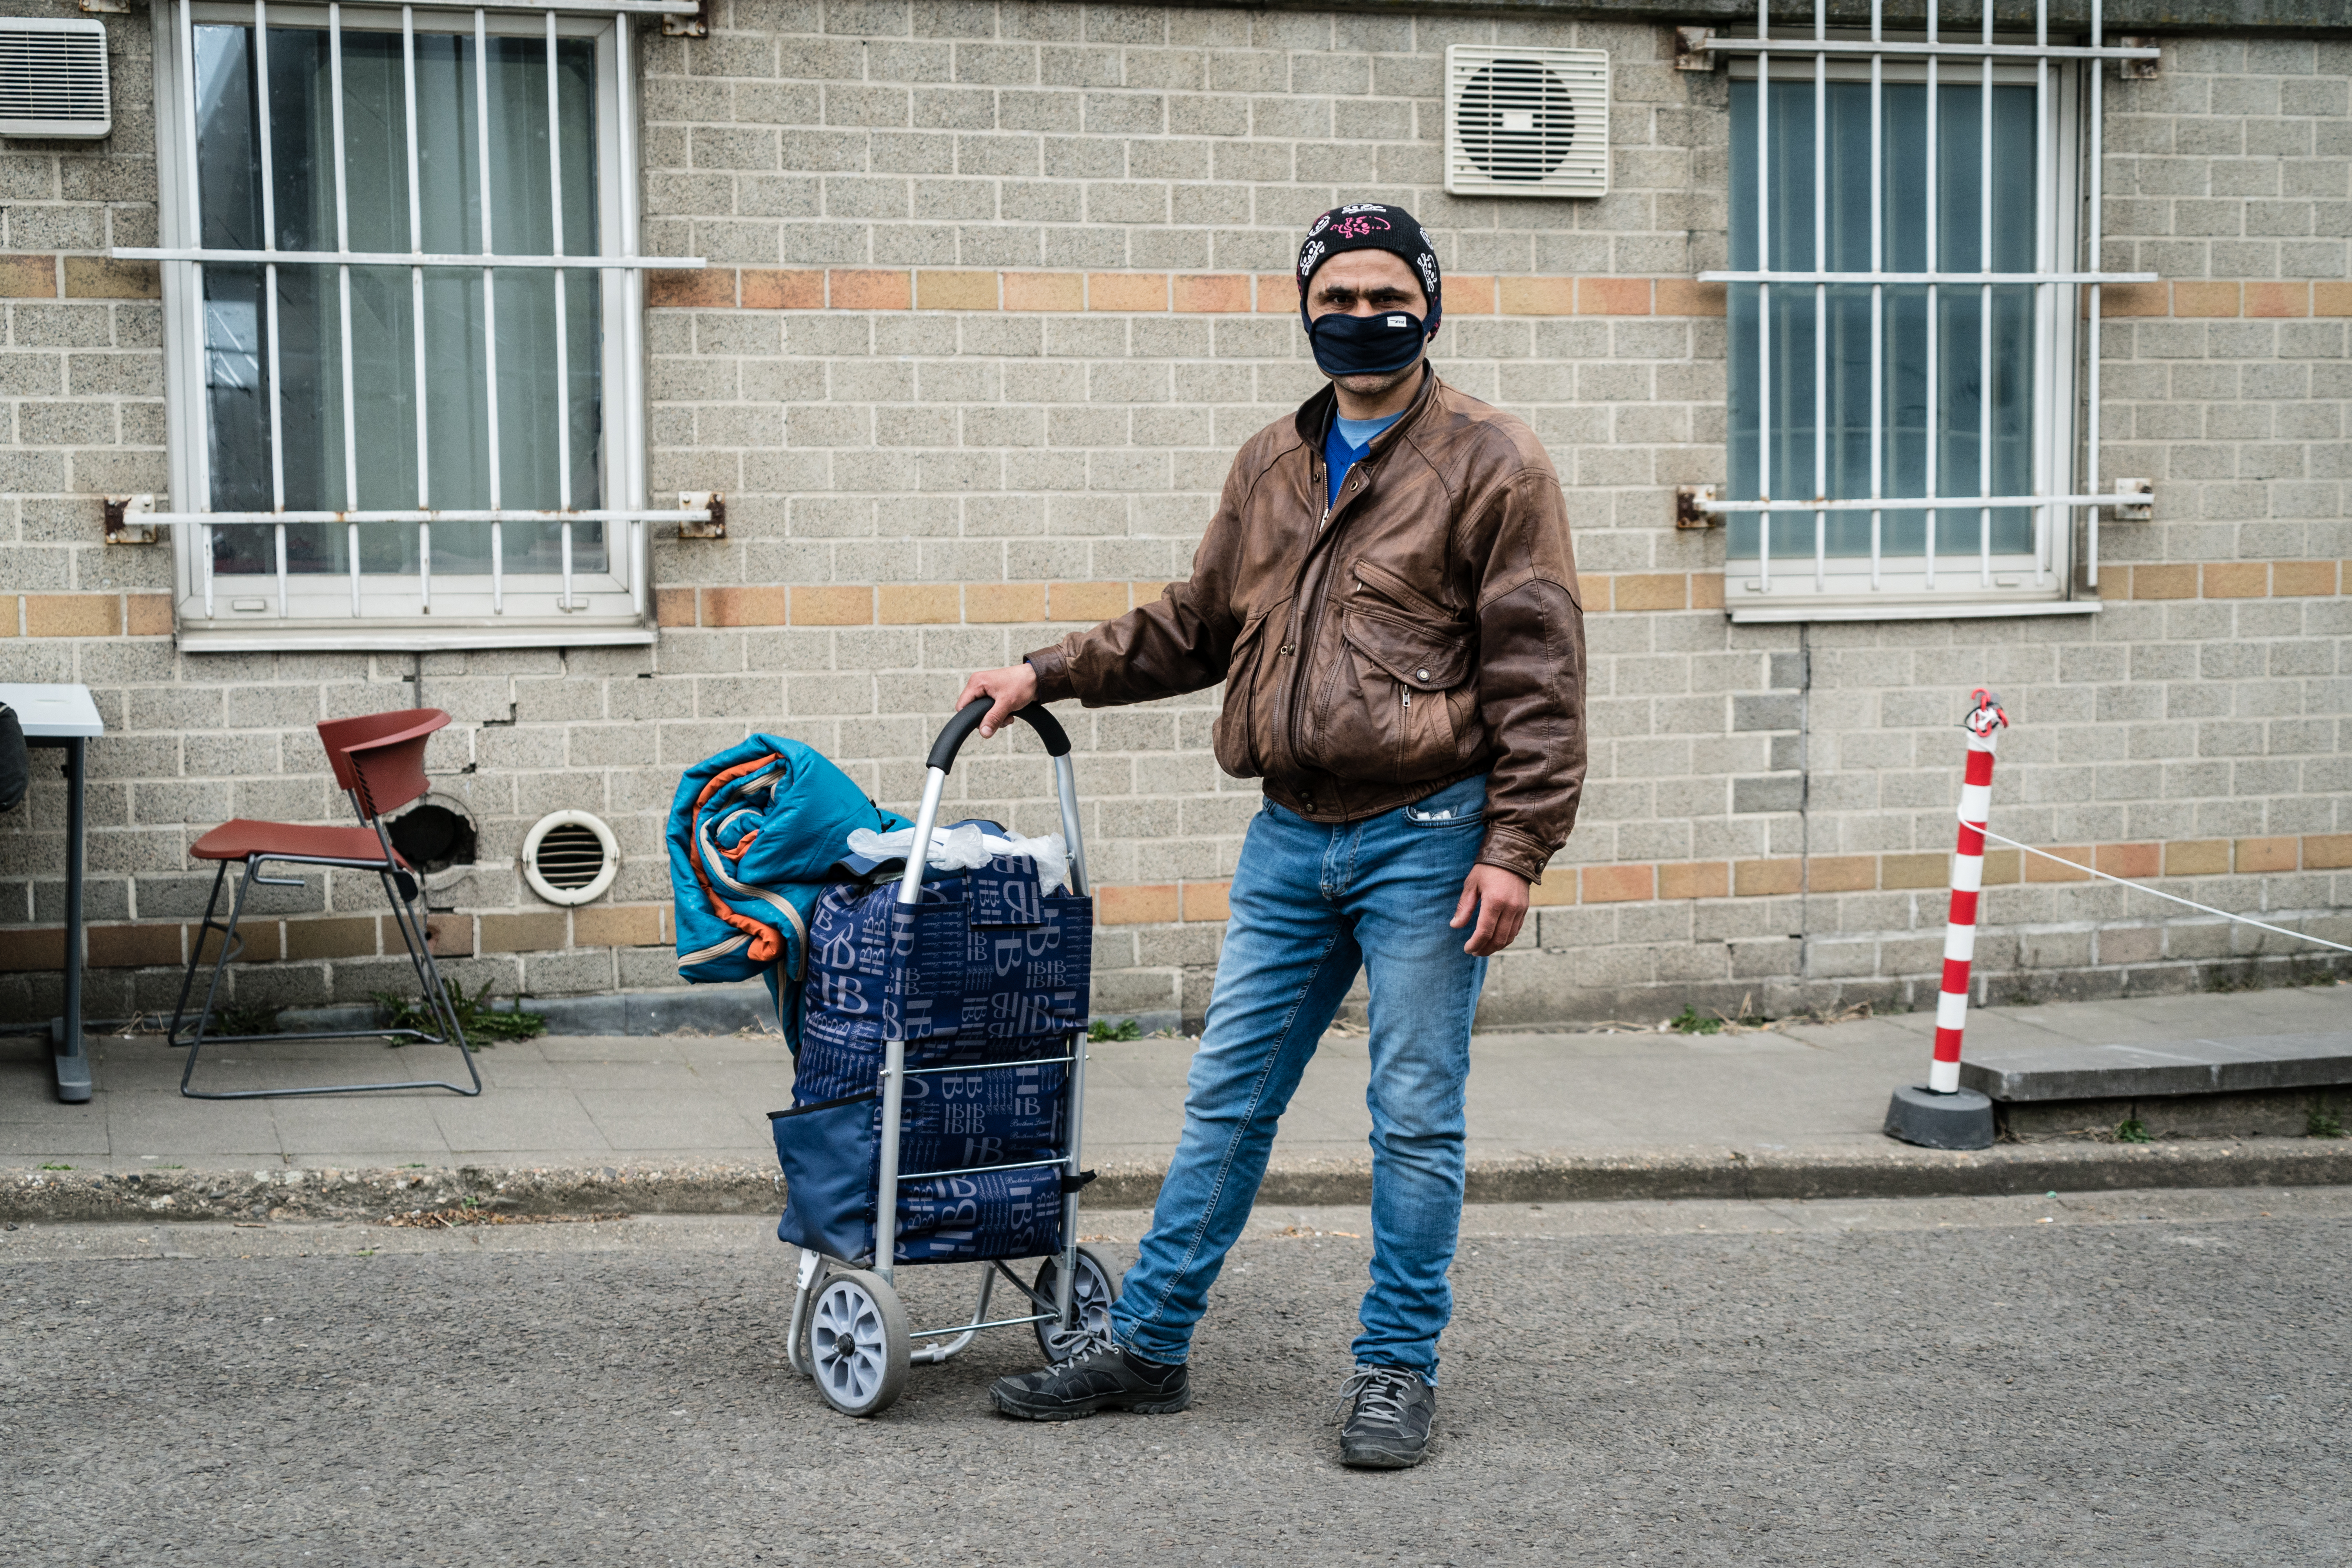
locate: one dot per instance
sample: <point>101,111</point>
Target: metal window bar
<point>416,258</point>
<point>1821,299</point>
<point>2049,489</point>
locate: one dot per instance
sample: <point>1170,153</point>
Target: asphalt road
<point>2134,1377</point>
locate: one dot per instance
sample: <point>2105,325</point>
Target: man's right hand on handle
<point>1010,689</point>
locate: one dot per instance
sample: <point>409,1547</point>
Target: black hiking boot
<point>1388,1412</point>
<point>1106,1379</point>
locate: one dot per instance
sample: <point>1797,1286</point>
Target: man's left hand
<point>1500,900</point>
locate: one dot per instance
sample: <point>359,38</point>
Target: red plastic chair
<point>379,761</point>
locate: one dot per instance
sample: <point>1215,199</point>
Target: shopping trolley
<point>939,1103</point>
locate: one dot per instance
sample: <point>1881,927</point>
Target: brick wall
<point>996,292</point>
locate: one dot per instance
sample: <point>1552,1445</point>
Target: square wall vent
<point>1526,121</point>
<point>53,78</point>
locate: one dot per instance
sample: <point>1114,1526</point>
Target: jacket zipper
<point>1310,621</point>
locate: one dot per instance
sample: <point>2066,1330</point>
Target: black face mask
<point>1365,345</point>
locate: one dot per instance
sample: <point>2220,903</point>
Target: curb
<point>726,1187</point>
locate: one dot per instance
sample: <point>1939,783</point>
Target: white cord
<point>2143,887</point>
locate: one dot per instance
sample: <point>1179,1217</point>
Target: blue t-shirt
<point>1346,444</point>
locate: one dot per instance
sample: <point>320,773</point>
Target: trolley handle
<point>958,730</point>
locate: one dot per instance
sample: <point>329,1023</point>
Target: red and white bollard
<point>1984,723</point>
<point>1940,1114</point>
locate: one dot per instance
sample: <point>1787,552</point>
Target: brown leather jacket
<point>1424,630</point>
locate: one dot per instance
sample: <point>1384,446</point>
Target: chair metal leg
<point>420,957</point>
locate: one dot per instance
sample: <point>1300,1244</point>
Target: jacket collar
<point>1313,420</point>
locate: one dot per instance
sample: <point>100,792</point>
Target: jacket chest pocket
<point>1397,701</point>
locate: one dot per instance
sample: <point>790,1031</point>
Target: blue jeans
<point>1311,904</point>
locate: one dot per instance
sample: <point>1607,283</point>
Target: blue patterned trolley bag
<point>939,1100</point>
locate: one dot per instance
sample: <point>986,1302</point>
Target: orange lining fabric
<point>767,941</point>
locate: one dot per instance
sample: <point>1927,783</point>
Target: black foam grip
<point>1037,716</point>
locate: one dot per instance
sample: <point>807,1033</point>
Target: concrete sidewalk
<point>679,1122</point>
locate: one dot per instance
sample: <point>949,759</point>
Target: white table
<point>64,716</point>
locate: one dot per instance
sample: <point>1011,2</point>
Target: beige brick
<point>955,290</point>
<point>986,602</point>
<point>1619,884</point>
<point>616,925</point>
<point>265,942</point>
<point>1537,296</point>
<point>862,288</point>
<point>1652,591</point>
<point>1277,294</point>
<point>1207,901</point>
<point>2164,582</point>
<point>1156,904</point>
<point>2295,579</point>
<point>29,276</point>
<point>1758,878</point>
<point>99,277</point>
<point>1688,297</point>
<point>449,936</point>
<point>674,606</point>
<point>147,615</point>
<point>919,603</point>
<point>2196,857</point>
<point>2200,299</point>
<point>2278,298</point>
<point>1596,590</point>
<point>73,615</point>
<point>2331,299</point>
<point>1044,291</point>
<point>743,606</point>
<point>1842,873</point>
<point>2129,860</point>
<point>833,607</point>
<point>2037,869</point>
<point>1706,590</point>
<point>2257,854</point>
<point>1127,290</point>
<point>145,946</point>
<point>2002,868</point>
<point>1613,296</point>
<point>2327,852</point>
<point>705,287</point>
<point>767,289</point>
<point>28,948</point>
<point>1557,889</point>
<point>1904,871</point>
<point>353,936</point>
<point>2238,580</point>
<point>539,930</point>
<point>1206,292</point>
<point>1698,880</point>
<point>1089,602</point>
<point>2130,299</point>
<point>1469,296</point>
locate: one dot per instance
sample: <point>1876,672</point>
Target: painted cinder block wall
<point>996,289</point>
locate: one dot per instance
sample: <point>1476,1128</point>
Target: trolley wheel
<point>1096,1288</point>
<point>858,1342</point>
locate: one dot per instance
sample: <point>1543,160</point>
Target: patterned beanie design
<point>1370,225</point>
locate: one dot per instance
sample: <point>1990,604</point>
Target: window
<point>1905,299</point>
<point>389,444</point>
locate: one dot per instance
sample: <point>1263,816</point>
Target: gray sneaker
<point>1388,1412</point>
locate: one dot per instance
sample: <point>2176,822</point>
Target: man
<point>1388,592</point>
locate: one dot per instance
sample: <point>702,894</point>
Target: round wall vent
<point>569,857</point>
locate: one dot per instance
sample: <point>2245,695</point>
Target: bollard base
<point>1960,1119</point>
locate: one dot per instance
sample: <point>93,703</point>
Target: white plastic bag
<point>965,848</point>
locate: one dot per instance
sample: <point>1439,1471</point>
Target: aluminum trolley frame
<point>877,1326</point>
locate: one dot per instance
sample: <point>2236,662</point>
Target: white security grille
<point>1907,275</point>
<point>403,274</point>
<point>53,78</point>
<point>1526,121</point>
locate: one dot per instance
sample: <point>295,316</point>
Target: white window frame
<point>1822,587</point>
<point>375,612</point>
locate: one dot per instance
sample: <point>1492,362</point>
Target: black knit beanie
<point>1369,225</point>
